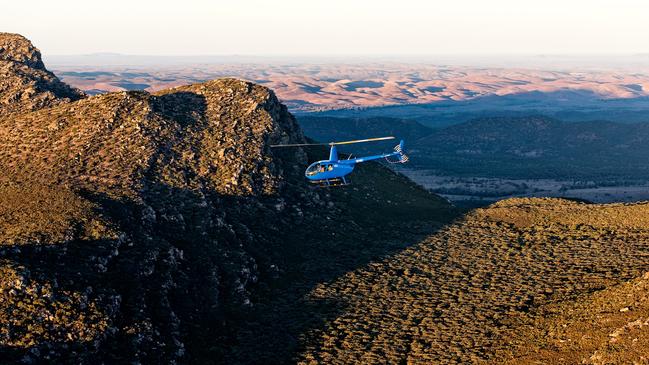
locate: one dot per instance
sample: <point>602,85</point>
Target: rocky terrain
<point>25,84</point>
<point>516,275</point>
<point>139,228</point>
<point>145,228</point>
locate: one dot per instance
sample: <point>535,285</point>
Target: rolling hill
<point>519,279</point>
<point>436,90</point>
<point>539,147</point>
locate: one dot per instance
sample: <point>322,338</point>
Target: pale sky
<point>331,27</point>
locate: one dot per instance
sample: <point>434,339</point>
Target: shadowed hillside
<point>524,147</point>
<point>539,147</point>
<point>145,228</point>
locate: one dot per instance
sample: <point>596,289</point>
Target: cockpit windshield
<point>314,169</point>
<point>318,168</point>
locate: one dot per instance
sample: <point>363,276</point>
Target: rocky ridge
<point>135,227</point>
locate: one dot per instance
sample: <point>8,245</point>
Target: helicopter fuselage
<point>329,169</point>
<point>332,172</point>
<point>335,169</point>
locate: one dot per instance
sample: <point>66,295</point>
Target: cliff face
<point>16,48</point>
<point>127,218</point>
<point>25,83</point>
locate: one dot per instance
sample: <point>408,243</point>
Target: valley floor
<point>481,191</point>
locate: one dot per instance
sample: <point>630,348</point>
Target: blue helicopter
<point>334,171</point>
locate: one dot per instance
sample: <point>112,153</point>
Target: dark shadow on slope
<point>185,107</point>
<point>180,271</point>
<point>174,276</point>
<point>165,280</point>
<point>76,267</point>
<point>126,277</point>
<point>381,214</point>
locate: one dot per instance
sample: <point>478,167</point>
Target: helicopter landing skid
<point>329,183</point>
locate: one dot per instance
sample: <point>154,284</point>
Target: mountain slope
<point>470,290</point>
<point>607,327</point>
<point>147,228</point>
<point>159,194</point>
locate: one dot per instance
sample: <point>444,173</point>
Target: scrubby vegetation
<point>35,313</point>
<point>608,327</point>
<point>140,228</point>
<point>155,225</point>
<point>458,295</point>
<point>32,213</point>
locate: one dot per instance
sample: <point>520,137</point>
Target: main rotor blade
<point>362,140</point>
<point>299,145</point>
<point>333,143</point>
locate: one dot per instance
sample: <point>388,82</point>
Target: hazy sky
<point>331,27</point>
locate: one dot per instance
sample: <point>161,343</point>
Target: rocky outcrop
<point>25,83</point>
<point>16,48</point>
<point>153,203</point>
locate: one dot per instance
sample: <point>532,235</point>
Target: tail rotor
<point>400,152</point>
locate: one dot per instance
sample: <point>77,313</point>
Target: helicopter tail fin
<point>400,147</point>
<point>401,150</point>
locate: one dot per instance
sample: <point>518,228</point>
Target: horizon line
<point>413,55</point>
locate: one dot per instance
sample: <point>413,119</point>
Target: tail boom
<point>398,152</point>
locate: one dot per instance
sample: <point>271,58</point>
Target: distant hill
<point>438,91</point>
<point>538,147</point>
<point>509,147</point>
<point>327,129</point>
